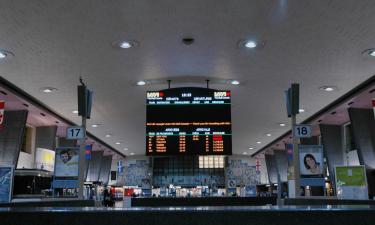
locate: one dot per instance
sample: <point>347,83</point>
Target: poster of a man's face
<point>66,163</point>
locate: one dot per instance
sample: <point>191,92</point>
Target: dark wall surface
<point>189,216</point>
<point>45,137</point>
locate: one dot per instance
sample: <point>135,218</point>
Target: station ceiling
<point>314,43</point>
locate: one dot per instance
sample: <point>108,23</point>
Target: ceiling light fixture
<point>141,83</point>
<point>118,143</point>
<point>372,53</point>
<point>126,149</point>
<point>131,153</point>
<point>328,88</point>
<point>244,153</point>
<point>94,125</point>
<point>250,44</point>
<point>5,54</point>
<point>48,89</point>
<point>282,124</point>
<point>235,82</point>
<point>268,135</point>
<point>301,110</point>
<point>251,148</point>
<point>259,142</point>
<point>75,111</point>
<point>108,135</point>
<point>124,44</point>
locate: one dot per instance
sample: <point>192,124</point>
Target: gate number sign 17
<point>74,133</point>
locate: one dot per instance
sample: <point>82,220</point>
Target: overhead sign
<point>351,182</point>
<point>2,105</point>
<point>76,132</point>
<point>6,182</point>
<point>302,131</point>
<point>311,159</point>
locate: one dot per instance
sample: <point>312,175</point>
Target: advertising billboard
<point>66,162</point>
<point>311,160</point>
<point>45,159</point>
<point>351,182</point>
<point>6,182</point>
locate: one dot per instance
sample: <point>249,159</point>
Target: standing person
<point>106,198</point>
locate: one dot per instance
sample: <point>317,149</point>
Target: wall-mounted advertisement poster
<point>351,182</point>
<point>45,159</point>
<point>66,167</point>
<point>6,182</point>
<point>66,162</point>
<point>311,160</point>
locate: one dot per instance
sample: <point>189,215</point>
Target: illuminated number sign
<point>75,133</point>
<point>302,131</point>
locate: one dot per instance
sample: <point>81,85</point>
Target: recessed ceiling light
<point>282,124</point>
<point>251,148</point>
<point>244,153</point>
<point>75,111</point>
<point>124,44</point>
<point>259,142</point>
<point>372,53</point>
<point>95,125</point>
<point>108,135</point>
<point>118,143</point>
<point>268,135</point>
<point>126,149</point>
<point>5,54</point>
<point>235,82</point>
<point>48,89</point>
<point>141,83</point>
<point>328,88</point>
<point>301,110</point>
<point>131,153</point>
<point>250,44</point>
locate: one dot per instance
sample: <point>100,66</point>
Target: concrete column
<point>363,125</point>
<point>11,136</point>
<point>332,146</point>
<point>105,169</point>
<point>271,168</point>
<point>282,164</point>
<point>94,166</point>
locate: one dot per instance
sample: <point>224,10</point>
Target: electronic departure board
<point>188,121</point>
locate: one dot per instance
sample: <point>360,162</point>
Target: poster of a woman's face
<point>311,161</point>
<point>311,164</point>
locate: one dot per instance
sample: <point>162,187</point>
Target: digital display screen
<point>188,121</point>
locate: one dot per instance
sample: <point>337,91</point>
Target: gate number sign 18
<point>302,131</point>
<point>75,133</point>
